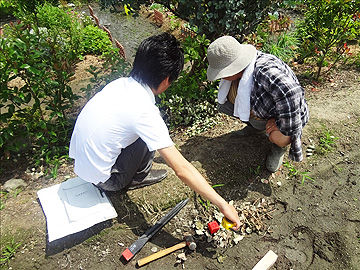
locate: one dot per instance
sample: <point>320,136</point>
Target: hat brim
<point>241,62</point>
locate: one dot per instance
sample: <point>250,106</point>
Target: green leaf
<point>39,135</point>
<point>42,124</point>
<point>17,100</point>
<point>27,98</point>
<point>25,66</point>
<point>34,70</point>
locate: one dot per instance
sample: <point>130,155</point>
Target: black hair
<point>157,58</point>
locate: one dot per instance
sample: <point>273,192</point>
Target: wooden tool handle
<point>160,253</point>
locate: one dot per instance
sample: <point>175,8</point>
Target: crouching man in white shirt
<point>120,128</point>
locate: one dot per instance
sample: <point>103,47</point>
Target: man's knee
<point>227,108</point>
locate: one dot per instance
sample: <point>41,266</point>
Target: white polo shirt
<point>114,118</point>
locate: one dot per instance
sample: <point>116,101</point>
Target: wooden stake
<point>267,261</point>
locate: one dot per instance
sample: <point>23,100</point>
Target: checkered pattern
<point>278,94</point>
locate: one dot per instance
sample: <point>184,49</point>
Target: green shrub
<point>211,17</point>
<point>40,55</point>
<point>195,49</point>
<point>6,8</point>
<point>56,19</point>
<point>356,60</point>
<point>26,10</point>
<point>112,68</point>
<point>95,41</point>
<point>326,28</point>
<point>273,36</point>
<point>190,102</point>
<point>283,45</point>
<point>33,112</point>
<point>63,27</point>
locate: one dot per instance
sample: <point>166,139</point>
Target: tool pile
<point>253,217</point>
<point>217,232</point>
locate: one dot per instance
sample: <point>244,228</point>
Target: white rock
<point>238,238</point>
<point>13,184</point>
<point>182,256</point>
<point>199,232</point>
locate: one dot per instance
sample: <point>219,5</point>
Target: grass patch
<point>294,173</point>
<point>326,141</point>
<point>7,252</point>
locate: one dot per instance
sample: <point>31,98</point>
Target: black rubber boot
<point>275,158</point>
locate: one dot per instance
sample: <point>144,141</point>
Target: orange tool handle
<point>160,254</point>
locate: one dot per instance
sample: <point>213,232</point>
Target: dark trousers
<point>133,163</point>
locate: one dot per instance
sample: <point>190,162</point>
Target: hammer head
<point>190,242</point>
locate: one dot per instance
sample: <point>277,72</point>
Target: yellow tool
<point>227,224</point>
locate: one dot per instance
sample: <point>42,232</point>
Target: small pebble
<point>182,256</point>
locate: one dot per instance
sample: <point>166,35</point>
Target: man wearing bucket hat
<point>263,92</point>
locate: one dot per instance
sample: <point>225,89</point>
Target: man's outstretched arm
<point>192,178</point>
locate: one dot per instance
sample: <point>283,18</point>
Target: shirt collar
<point>148,90</point>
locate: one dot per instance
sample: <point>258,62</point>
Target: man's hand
<point>275,135</point>
<point>231,214</point>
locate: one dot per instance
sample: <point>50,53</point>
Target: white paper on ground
<point>73,206</point>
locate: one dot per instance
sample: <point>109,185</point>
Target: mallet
<point>188,241</point>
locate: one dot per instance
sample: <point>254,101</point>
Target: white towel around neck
<point>242,100</point>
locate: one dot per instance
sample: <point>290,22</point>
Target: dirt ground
<point>314,225</point>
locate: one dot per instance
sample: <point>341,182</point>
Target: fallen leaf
<point>221,258</point>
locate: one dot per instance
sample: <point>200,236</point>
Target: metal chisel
<point>138,244</point>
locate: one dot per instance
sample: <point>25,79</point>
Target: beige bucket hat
<point>227,57</point>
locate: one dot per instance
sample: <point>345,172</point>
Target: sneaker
<point>246,132</point>
<point>155,176</point>
<point>275,158</point>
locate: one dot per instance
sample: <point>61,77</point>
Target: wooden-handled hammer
<point>188,241</point>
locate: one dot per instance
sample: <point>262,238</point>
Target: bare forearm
<point>192,178</point>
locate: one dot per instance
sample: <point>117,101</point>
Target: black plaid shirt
<point>278,94</point>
